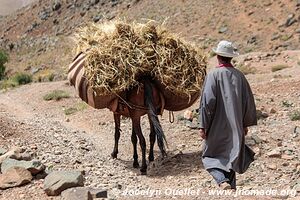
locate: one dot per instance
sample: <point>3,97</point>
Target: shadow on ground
<point>175,164</point>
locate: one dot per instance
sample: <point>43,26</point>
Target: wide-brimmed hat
<point>226,49</point>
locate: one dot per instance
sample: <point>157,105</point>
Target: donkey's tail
<point>154,118</point>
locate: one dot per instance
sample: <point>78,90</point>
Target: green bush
<point>5,84</point>
<point>16,80</point>
<point>279,67</point>
<point>56,95</point>
<point>3,60</point>
<point>295,115</point>
<point>246,69</point>
<point>70,111</point>
<point>287,104</point>
<point>22,78</point>
<point>77,107</point>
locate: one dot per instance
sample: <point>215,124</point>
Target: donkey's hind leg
<point>135,154</point>
<point>152,138</point>
<point>136,125</point>
<point>117,119</point>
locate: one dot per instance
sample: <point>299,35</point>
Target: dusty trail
<point>84,141</point>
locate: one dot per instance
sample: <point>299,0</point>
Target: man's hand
<point>246,131</point>
<point>202,133</point>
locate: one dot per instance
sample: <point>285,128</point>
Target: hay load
<point>118,54</point>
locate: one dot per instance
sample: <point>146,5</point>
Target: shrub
<point>51,77</point>
<point>246,69</point>
<point>3,60</point>
<point>56,95</point>
<point>16,80</point>
<point>78,107</point>
<point>279,67</point>
<point>69,111</point>
<point>287,104</point>
<point>8,84</point>
<point>295,115</point>
<point>21,78</point>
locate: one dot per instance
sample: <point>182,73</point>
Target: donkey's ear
<point>113,106</point>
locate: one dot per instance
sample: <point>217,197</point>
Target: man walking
<point>227,108</point>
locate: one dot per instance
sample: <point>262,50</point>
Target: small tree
<point>3,60</point>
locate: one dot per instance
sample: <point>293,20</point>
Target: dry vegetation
<point>118,54</point>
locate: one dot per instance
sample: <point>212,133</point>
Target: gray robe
<point>227,106</point>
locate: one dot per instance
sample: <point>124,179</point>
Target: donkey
<point>133,103</point>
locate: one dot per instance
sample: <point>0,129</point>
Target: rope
<point>171,117</point>
<point>130,105</point>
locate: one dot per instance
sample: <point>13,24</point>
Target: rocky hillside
<point>10,6</point>
<point>38,36</point>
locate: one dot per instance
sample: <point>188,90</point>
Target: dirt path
<point>84,141</point>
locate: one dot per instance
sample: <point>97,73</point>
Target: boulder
<point>275,153</point>
<point>2,151</point>
<point>58,181</point>
<point>15,176</point>
<point>77,193</point>
<point>33,166</point>
<point>98,193</point>
<point>13,153</point>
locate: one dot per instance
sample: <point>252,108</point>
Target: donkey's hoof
<point>143,171</point>
<point>151,158</point>
<point>136,165</point>
<point>114,155</point>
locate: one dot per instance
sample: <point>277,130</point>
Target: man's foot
<point>225,186</point>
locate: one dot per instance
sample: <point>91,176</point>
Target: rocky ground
<point>37,37</point>
<point>83,141</point>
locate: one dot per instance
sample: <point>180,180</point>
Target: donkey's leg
<point>117,119</point>
<point>135,154</point>
<point>136,124</point>
<point>152,140</point>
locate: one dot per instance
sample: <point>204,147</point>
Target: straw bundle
<point>118,54</point>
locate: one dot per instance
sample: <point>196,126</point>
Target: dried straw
<point>118,54</point>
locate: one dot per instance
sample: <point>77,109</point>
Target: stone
<point>188,115</point>
<point>2,151</point>
<point>56,6</point>
<point>272,111</point>
<point>97,18</point>
<point>256,139</point>
<point>287,157</point>
<point>76,193</point>
<point>275,153</point>
<point>13,153</point>
<point>249,141</point>
<point>272,166</point>
<point>252,40</point>
<point>98,193</point>
<point>25,156</point>
<point>41,175</point>
<point>58,181</point>
<point>261,115</point>
<point>290,20</point>
<point>257,151</point>
<point>33,166</point>
<point>296,131</point>
<point>275,36</point>
<point>94,2</point>
<point>44,15</point>
<point>15,176</point>
<point>223,29</point>
<point>297,187</point>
